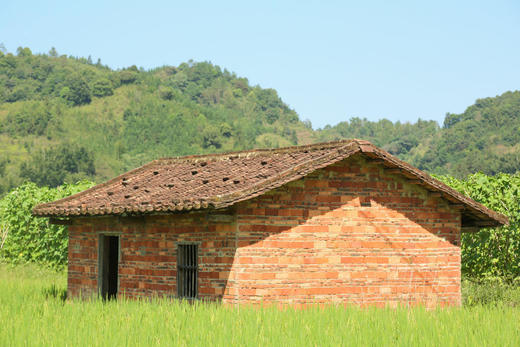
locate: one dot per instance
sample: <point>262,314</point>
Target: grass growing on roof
<point>33,314</point>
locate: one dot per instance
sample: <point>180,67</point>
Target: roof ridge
<point>259,151</point>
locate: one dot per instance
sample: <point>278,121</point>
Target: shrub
<point>30,238</point>
<point>492,252</point>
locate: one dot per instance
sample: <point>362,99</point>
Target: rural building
<point>339,222</point>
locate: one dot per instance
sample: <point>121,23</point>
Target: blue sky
<point>328,60</point>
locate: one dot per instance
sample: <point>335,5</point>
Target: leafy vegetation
<point>55,165</point>
<point>404,140</point>
<point>33,314</point>
<point>25,238</point>
<point>492,253</point>
<point>483,138</point>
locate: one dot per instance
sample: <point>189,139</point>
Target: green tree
<point>53,53</point>
<point>51,167</point>
<point>102,87</point>
<point>128,76</point>
<point>211,137</point>
<point>166,93</point>
<point>76,90</point>
<point>23,52</point>
<point>32,119</point>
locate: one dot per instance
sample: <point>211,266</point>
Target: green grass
<point>32,313</point>
<point>491,293</point>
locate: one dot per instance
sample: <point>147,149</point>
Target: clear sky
<point>328,60</point>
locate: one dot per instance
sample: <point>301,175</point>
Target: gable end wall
<point>349,233</point>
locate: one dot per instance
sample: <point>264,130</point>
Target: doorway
<point>108,265</point>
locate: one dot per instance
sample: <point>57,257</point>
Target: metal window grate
<point>187,271</point>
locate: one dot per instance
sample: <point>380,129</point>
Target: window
<point>187,271</point>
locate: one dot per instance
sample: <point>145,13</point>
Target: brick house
<point>341,222</point>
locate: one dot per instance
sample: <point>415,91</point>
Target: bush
<point>492,252</point>
<point>32,239</point>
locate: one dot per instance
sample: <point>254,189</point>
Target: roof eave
<point>479,215</point>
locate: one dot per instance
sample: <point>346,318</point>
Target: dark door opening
<point>109,263</point>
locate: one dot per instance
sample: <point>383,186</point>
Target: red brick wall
<point>312,240</point>
<point>148,264</point>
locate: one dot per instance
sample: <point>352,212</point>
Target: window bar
<point>186,265</point>
<point>179,270</point>
<point>190,271</point>
<point>184,275</point>
<point>195,270</point>
<point>188,284</point>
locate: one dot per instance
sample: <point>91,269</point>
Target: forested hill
<point>64,118</point>
<point>486,138</point>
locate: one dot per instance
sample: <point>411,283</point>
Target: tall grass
<point>491,292</point>
<point>31,313</point>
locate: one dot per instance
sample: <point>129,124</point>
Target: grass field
<point>31,314</point>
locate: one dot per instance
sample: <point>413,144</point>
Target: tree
<point>210,136</point>
<point>23,52</point>
<point>76,90</point>
<point>51,167</point>
<point>32,119</point>
<point>127,76</point>
<point>166,93</point>
<point>53,52</point>
<point>3,165</point>
<point>226,130</point>
<point>102,87</point>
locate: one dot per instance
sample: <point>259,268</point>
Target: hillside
<point>486,138</point>
<point>64,118</point>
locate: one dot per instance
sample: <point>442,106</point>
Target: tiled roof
<point>221,180</point>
